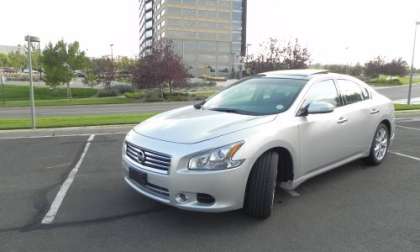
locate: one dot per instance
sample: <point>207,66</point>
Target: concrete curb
<point>408,111</point>
<point>69,131</point>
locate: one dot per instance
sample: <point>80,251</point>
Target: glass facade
<point>146,25</point>
<point>208,34</point>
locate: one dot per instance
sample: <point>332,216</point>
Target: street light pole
<point>31,39</point>
<point>410,86</point>
<point>247,49</point>
<point>112,51</point>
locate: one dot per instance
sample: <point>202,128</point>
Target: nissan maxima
<point>272,130</point>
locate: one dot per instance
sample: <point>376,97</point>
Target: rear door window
<point>350,91</point>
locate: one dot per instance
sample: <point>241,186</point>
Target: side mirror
<point>199,105</point>
<point>317,107</point>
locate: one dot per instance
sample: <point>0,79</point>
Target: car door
<point>355,117</point>
<point>321,135</point>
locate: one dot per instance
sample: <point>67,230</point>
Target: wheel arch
<point>388,125</point>
<point>286,165</point>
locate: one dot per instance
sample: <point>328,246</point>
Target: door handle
<point>374,111</point>
<point>342,120</point>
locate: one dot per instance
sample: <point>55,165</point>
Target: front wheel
<point>261,188</point>
<point>380,145</point>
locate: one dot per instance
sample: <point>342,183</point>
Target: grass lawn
<point>18,96</point>
<point>95,120</point>
<point>401,107</point>
<point>64,102</point>
<point>406,79</point>
<point>383,80</point>
<point>74,121</point>
<point>14,92</point>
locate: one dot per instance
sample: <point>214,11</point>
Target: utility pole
<point>112,51</point>
<point>31,39</point>
<point>3,94</point>
<point>410,85</point>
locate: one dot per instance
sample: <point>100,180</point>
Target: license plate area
<point>138,176</point>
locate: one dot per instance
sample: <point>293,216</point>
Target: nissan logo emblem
<point>141,157</point>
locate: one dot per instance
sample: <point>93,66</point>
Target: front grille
<point>154,189</point>
<point>151,159</point>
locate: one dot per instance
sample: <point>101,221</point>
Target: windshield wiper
<point>235,111</point>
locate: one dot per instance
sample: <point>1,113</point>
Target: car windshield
<point>257,96</point>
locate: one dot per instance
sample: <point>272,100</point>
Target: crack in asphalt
<point>41,203</point>
<point>40,199</point>
<point>38,226</point>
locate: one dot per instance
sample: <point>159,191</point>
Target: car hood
<point>189,125</point>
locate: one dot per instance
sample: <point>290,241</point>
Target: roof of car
<point>301,73</point>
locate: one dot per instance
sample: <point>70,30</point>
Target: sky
<point>334,31</point>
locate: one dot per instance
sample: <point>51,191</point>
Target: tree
<point>75,59</point>
<point>275,56</point>
<point>101,70</point>
<point>175,72</point>
<point>55,66</point>
<point>17,60</point>
<point>60,61</point>
<point>397,67</point>
<point>161,67</point>
<point>4,60</point>
<point>355,70</point>
<point>124,65</point>
<point>374,67</point>
<point>295,56</point>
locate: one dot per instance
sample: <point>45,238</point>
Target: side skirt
<point>291,185</point>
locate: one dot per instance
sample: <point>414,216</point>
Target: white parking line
<point>55,206</point>
<point>406,156</point>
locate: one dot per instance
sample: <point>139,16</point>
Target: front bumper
<point>227,187</point>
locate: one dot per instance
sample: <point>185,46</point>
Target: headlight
<point>217,159</point>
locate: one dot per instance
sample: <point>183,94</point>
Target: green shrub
<point>152,95</point>
<point>134,95</point>
<point>202,83</point>
<point>386,81</point>
<point>107,93</point>
<point>15,92</point>
<point>178,97</point>
<point>121,89</point>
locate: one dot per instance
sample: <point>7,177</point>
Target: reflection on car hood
<point>188,125</point>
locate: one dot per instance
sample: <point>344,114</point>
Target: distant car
<point>79,74</point>
<point>274,129</point>
<point>27,71</point>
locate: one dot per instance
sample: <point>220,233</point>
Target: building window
<point>148,6</point>
<point>149,34</point>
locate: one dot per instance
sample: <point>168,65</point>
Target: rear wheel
<point>380,145</point>
<point>261,188</point>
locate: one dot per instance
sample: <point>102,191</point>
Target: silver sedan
<point>276,129</point>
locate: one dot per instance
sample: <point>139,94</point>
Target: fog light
<point>205,198</point>
<point>181,198</point>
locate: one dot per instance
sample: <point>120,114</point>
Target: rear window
<point>350,91</point>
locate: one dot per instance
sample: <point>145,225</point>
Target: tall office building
<point>209,35</point>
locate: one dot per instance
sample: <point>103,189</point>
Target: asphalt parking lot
<point>353,208</point>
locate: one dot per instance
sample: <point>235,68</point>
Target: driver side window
<point>324,91</point>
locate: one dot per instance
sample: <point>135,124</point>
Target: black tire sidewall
<point>260,188</point>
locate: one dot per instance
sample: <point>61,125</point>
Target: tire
<point>259,198</point>
<point>380,146</point>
